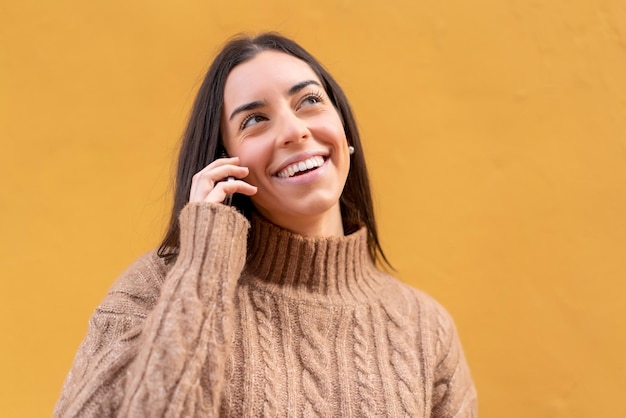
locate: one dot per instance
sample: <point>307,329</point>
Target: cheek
<point>256,155</point>
<point>332,128</point>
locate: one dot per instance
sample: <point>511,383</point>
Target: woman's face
<point>280,122</point>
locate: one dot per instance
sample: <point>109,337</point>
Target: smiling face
<point>280,122</point>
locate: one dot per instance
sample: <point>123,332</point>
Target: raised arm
<point>157,347</point>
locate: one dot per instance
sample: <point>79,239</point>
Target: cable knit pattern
<point>253,320</point>
<point>315,356</point>
<point>403,361</point>
<point>263,305</point>
<point>363,361</point>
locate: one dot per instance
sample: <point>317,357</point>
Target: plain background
<point>495,133</point>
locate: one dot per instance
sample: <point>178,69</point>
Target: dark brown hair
<point>201,143</point>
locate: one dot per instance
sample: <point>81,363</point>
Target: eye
<point>311,100</point>
<point>252,120</point>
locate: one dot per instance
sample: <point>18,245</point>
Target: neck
<point>322,269</point>
<point>326,224</point>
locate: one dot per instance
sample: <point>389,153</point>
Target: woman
<point>273,306</point>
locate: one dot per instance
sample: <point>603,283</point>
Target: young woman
<point>272,306</point>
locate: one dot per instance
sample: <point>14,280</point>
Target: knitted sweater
<point>266,324</point>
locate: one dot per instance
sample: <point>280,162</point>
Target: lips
<point>301,166</point>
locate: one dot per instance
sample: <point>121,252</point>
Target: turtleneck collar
<point>330,269</point>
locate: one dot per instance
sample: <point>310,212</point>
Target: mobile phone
<point>228,200</point>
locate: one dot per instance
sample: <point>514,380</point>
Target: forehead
<point>268,72</point>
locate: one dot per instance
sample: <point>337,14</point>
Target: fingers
<point>207,185</point>
<point>225,188</point>
<point>220,169</point>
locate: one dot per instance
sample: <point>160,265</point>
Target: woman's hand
<point>209,185</point>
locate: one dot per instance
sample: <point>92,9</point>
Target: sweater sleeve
<point>454,394</point>
<point>159,350</point>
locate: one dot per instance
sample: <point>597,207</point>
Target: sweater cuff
<point>203,223</point>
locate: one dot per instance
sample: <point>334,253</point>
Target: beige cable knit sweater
<point>274,325</point>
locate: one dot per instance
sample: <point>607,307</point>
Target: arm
<point>454,394</point>
<point>150,354</point>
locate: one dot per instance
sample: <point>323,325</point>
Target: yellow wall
<point>496,137</point>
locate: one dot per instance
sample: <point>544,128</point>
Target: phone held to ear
<point>228,200</point>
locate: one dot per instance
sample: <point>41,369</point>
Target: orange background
<point>495,134</point>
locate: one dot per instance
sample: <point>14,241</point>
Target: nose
<point>291,129</point>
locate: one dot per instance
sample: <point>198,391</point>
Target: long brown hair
<point>201,142</point>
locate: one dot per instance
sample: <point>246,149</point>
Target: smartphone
<point>228,201</point>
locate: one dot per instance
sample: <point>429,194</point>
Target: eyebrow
<point>246,107</point>
<point>301,85</point>
<point>255,105</point>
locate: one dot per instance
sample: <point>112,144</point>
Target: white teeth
<point>307,164</point>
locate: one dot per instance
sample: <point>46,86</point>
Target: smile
<point>301,167</point>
